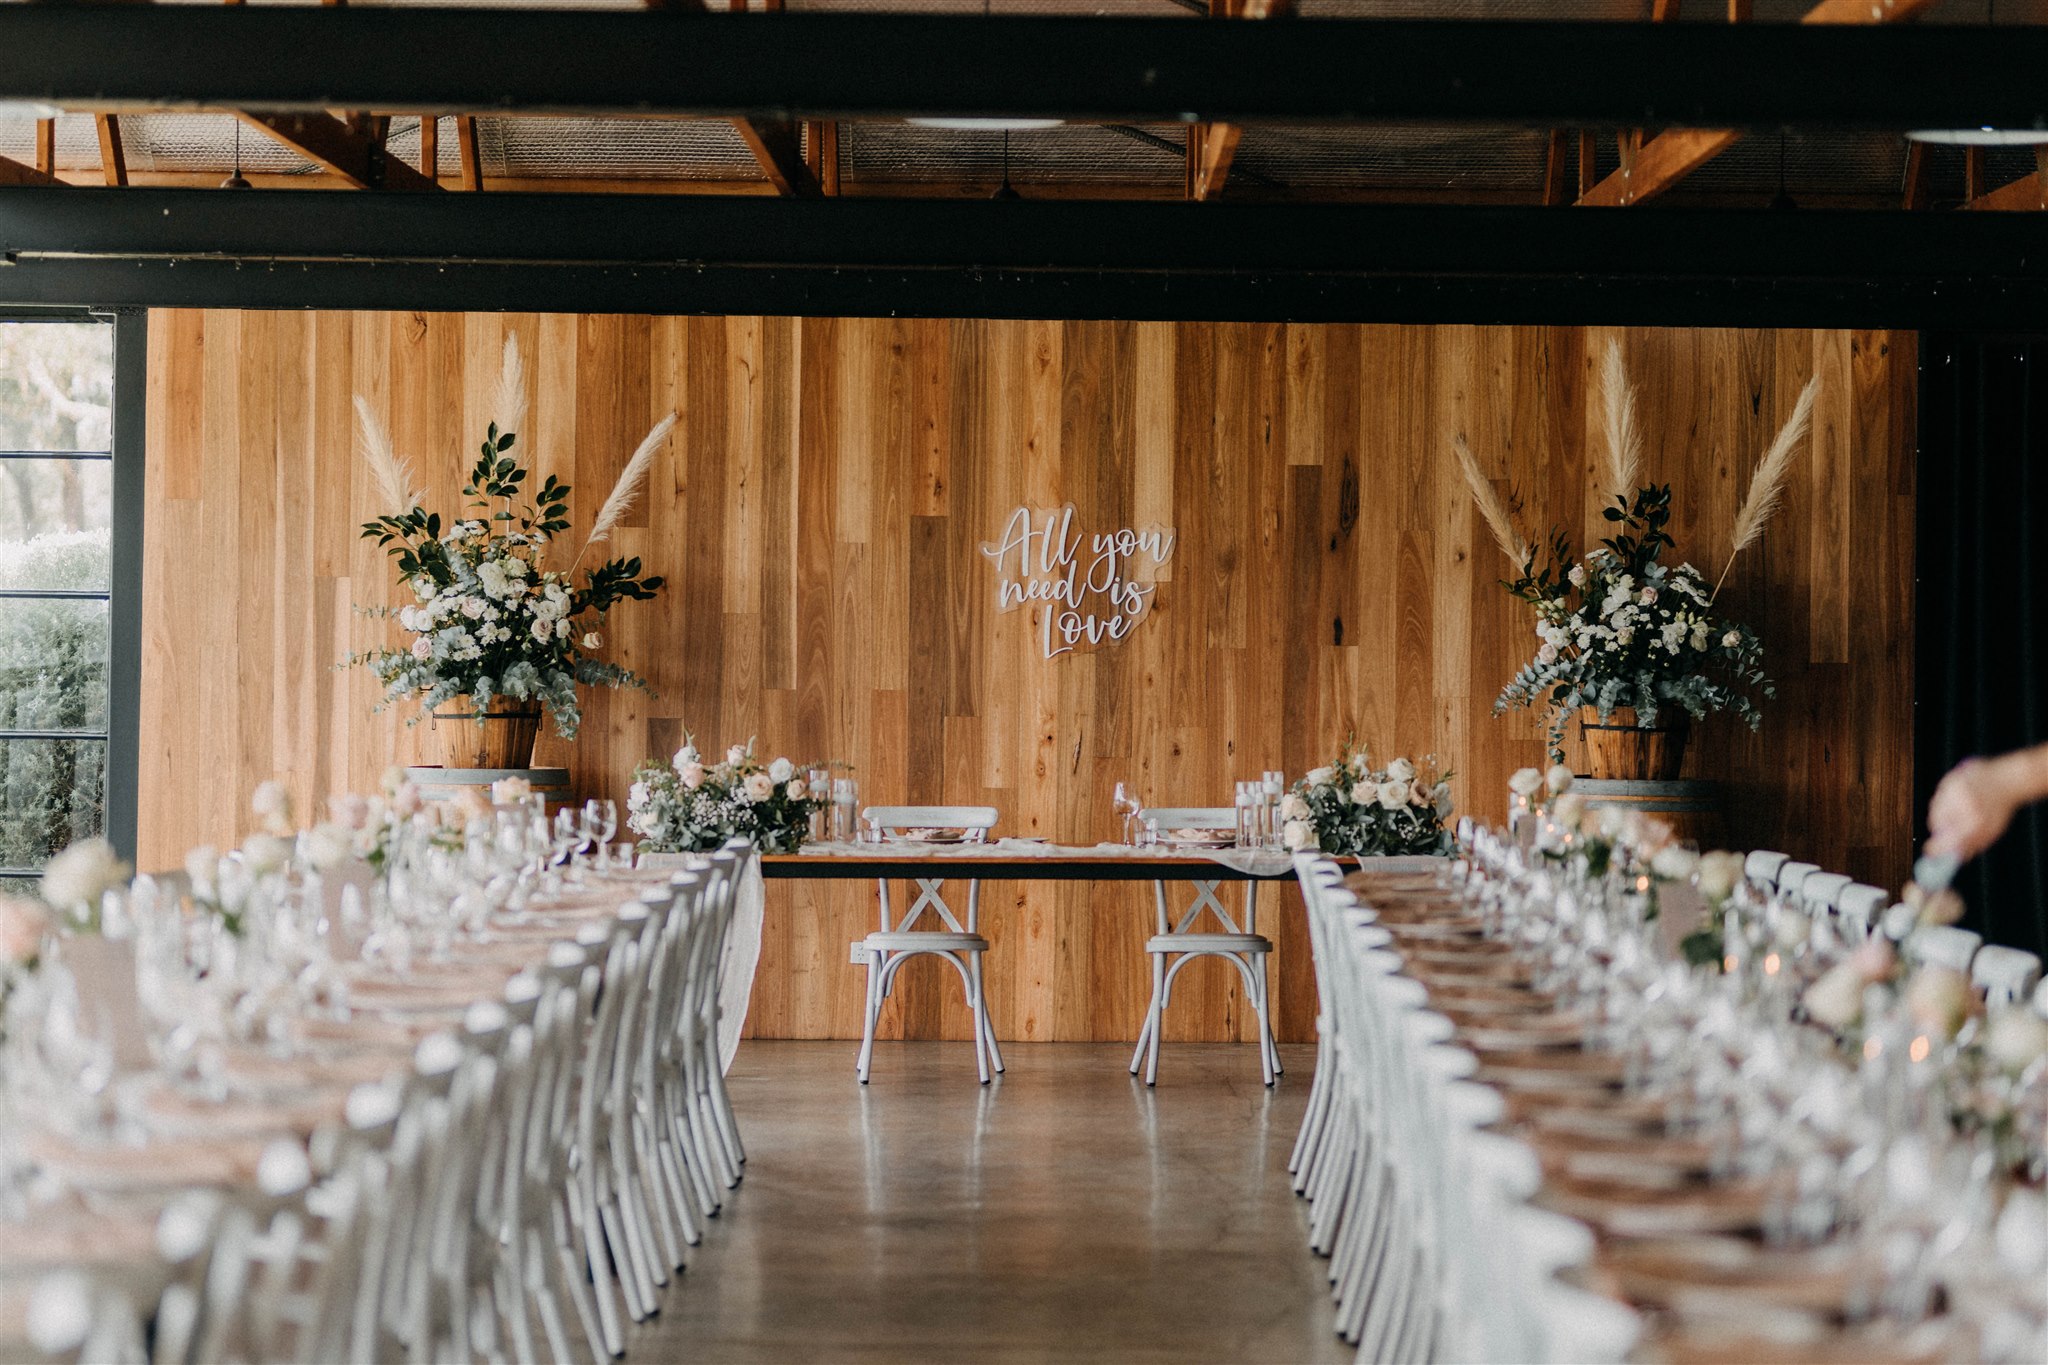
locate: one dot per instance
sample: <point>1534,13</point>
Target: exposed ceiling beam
<point>46,145</point>
<point>821,154</point>
<point>1554,170</point>
<point>430,147</point>
<point>356,154</point>
<point>1212,147</point>
<point>113,159</point>
<point>13,172</point>
<point>1023,259</point>
<point>1915,192</point>
<point>2028,192</point>
<point>469,153</point>
<point>1672,155</point>
<point>852,66</point>
<point>777,146</point>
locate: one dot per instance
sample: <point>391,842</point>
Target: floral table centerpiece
<point>495,631</point>
<point>1352,809</point>
<point>689,806</point>
<point>1630,643</point>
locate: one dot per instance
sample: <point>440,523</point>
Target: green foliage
<point>53,676</point>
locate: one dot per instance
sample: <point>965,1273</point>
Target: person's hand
<point>1971,808</point>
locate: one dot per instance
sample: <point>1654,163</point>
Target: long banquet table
<point>1697,1249</point>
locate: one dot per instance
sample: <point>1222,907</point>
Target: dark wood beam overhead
<point>469,153</point>
<point>46,145</point>
<point>430,148</point>
<point>13,172</point>
<point>852,66</point>
<point>355,153</point>
<point>777,145</point>
<point>113,159</point>
<point>1213,146</point>
<point>1671,156</point>
<point>1168,259</point>
<point>1915,192</point>
<point>1554,170</point>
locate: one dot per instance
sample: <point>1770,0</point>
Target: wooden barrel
<point>442,784</point>
<point>1692,808</point>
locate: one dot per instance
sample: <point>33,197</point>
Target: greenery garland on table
<point>489,618</point>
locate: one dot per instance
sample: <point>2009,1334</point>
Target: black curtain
<point>1982,609</point>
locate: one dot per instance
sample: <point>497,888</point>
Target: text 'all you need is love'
<point>1089,586</point>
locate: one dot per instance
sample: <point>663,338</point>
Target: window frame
<point>123,593</point>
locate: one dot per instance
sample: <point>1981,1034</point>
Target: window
<point>58,590</point>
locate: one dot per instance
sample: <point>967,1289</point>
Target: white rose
<point>1568,811</point>
<point>781,770</point>
<point>392,779</point>
<point>1613,820</point>
<point>563,629</point>
<point>1557,779</point>
<point>75,879</point>
<point>1318,776</point>
<point>687,754</point>
<point>265,853</point>
<point>758,788</point>
<point>422,648</point>
<point>1939,999</point>
<point>327,846</point>
<point>1525,781</point>
<point>202,865</point>
<point>1293,807</point>
<point>473,608</point>
<point>1675,864</point>
<point>406,801</point>
<point>507,790</point>
<point>1577,575</point>
<point>1732,640</point>
<point>1444,805</point>
<point>1364,792</point>
<point>1835,1001</point>
<point>2016,1038</point>
<point>1298,835</point>
<point>1547,654</point>
<point>542,631</point>
<point>736,754</point>
<point>692,775</point>
<point>271,801</point>
<point>1720,874</point>
<point>593,640</point>
<point>796,790</point>
<point>1789,927</point>
<point>1393,795</point>
<point>1400,770</point>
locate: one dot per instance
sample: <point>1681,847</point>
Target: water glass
<point>845,800</point>
<point>819,786</point>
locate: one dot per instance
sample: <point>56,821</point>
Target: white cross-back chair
<point>1942,945</point>
<point>1862,905</point>
<point>1792,876</point>
<point>2007,974</point>
<point>1176,943</point>
<point>898,940</point>
<point>1761,867</point>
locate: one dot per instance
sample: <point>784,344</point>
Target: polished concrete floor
<point>1063,1213</point>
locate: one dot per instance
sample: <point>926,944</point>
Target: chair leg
<point>988,1028</point>
<point>1151,1014</point>
<point>980,1017</point>
<point>1155,1018</point>
<point>1269,1065</point>
<point>869,1015</point>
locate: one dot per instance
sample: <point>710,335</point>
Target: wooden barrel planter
<point>503,739</point>
<point>1618,749</point>
<point>445,784</point>
<point>1692,808</point>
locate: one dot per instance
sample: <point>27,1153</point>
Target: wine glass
<point>1127,805</point>
<point>603,815</point>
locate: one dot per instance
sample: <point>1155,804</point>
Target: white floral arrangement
<point>687,805</point>
<point>1352,809</point>
<point>1619,629</point>
<point>489,618</point>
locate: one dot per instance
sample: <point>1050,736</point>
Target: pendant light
<point>235,181</point>
<point>1006,190</point>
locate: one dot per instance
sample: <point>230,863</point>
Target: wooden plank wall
<point>819,516</point>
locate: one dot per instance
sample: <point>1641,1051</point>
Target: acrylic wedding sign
<point>1091,590</point>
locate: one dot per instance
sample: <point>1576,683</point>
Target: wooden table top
<point>1075,866</point>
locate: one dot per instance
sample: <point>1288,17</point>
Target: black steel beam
<point>858,66</point>
<point>684,254</point>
